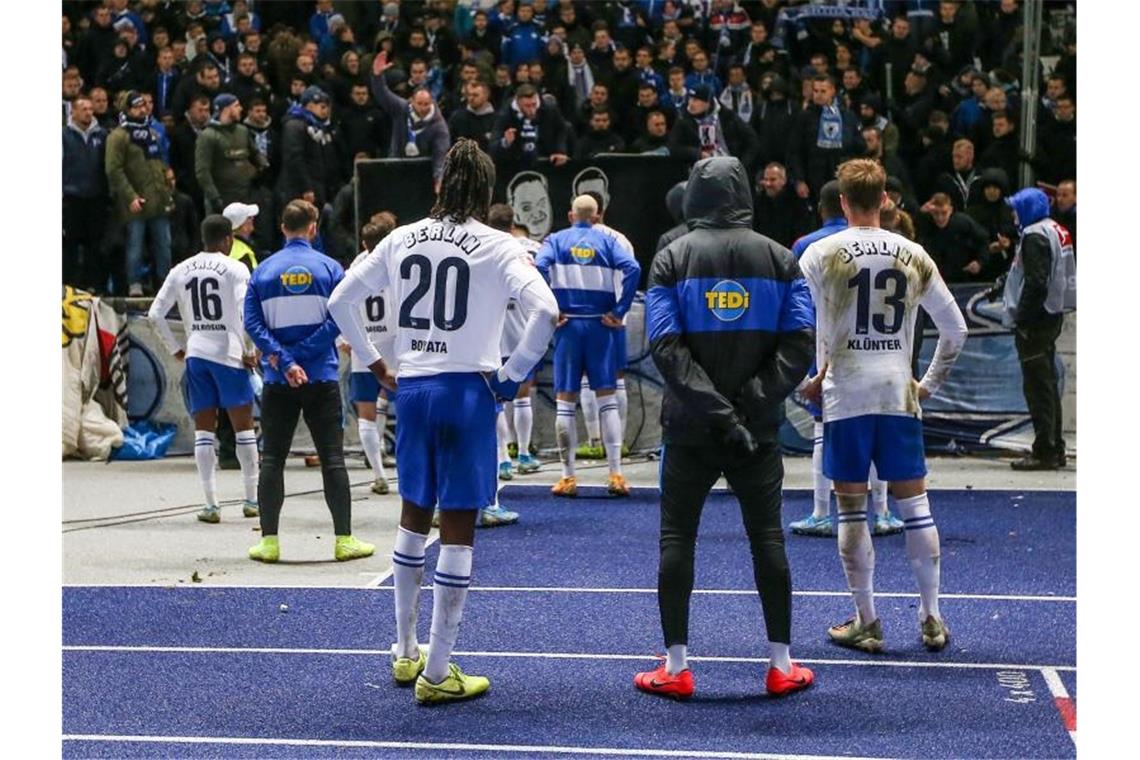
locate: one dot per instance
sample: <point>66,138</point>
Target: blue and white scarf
<point>142,135</point>
<point>320,131</point>
<point>830,135</point>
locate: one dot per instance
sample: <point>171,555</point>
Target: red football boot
<point>780,683</point>
<point>679,686</point>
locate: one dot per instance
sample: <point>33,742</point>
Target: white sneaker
<point>135,290</point>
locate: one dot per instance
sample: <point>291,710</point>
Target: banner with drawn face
<point>528,194</point>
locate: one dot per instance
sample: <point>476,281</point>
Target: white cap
<point>237,213</point>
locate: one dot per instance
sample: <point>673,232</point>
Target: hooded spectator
<point>772,118</point>
<point>705,129</point>
<point>990,210</point>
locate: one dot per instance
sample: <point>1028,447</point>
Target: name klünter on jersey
<point>856,248</point>
<point>447,233</point>
<point>871,344</point>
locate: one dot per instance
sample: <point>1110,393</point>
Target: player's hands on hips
<point>250,360</point>
<point>502,386</point>
<point>923,394</point>
<point>296,376</point>
<point>609,320</point>
<point>813,391</point>
<point>562,319</point>
<point>381,372</point>
<point>739,439</point>
<point>180,355</point>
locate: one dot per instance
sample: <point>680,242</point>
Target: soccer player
<point>450,276</point>
<point>366,390</point>
<point>730,329</point>
<point>867,284</point>
<point>209,289</point>
<point>819,523</point>
<point>286,314</point>
<point>501,217</point>
<point>582,264</point>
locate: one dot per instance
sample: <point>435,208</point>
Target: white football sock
<point>509,418</point>
<point>611,432</point>
<point>407,574</point>
<point>623,403</point>
<point>370,440</point>
<point>676,659</point>
<point>857,553</point>
<point>878,492</point>
<point>566,431</point>
<point>821,485</point>
<point>590,412</point>
<point>382,416</point>
<point>922,550</point>
<point>246,445</point>
<point>452,577</point>
<point>501,434</point>
<point>206,458</point>
<point>524,423</point>
<point>781,656</point>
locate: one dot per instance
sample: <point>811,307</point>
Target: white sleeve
<point>241,285</point>
<point>537,304</point>
<point>943,310</point>
<point>158,310</point>
<point>365,279</point>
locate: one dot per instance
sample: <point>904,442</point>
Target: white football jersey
<point>867,284</point>
<point>514,324</point>
<point>379,325</point>
<point>448,286</point>
<point>209,289</point>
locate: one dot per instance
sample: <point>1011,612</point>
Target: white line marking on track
<point>878,662</point>
<point>1062,700</point>
<point>381,577</point>
<point>453,747</point>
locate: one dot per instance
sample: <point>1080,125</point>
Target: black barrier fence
<point>633,188</point>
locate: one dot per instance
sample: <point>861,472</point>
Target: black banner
<point>633,187</point>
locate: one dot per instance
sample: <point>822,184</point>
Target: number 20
<point>423,285</point>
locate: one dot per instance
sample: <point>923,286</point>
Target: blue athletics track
<point>563,612</point>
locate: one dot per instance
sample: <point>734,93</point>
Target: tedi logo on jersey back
<point>582,254</point>
<point>296,279</point>
<point>728,300</point>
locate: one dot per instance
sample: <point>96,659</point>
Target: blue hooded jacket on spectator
<point>523,43</point>
<point>83,152</point>
<point>695,79</point>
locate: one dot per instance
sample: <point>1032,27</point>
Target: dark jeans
<point>84,221</point>
<point>281,406</point>
<point>1036,350</point>
<point>687,474</point>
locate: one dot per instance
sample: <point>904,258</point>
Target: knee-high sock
<point>878,492</point>
<point>524,423</point>
<point>407,575</point>
<point>206,458</point>
<point>508,419</point>
<point>246,445</point>
<point>452,577</point>
<point>611,432</point>
<point>623,403</point>
<point>501,435</point>
<point>857,553</point>
<point>370,440</point>
<point>590,412</point>
<point>382,419</point>
<point>923,551</point>
<point>566,432</point>
<point>821,485</point>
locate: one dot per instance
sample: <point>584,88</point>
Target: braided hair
<point>467,183</point>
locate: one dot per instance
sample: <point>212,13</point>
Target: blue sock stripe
<point>413,565</point>
<point>857,517</point>
<point>450,577</point>
<point>920,517</point>
<point>439,582</point>
<point>407,557</point>
<point>203,443</point>
<point>921,526</point>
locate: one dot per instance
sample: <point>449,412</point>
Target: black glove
<point>995,292</point>
<point>739,439</point>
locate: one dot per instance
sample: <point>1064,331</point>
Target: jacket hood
<point>1031,205</point>
<point>995,176</point>
<point>674,201</point>
<point>717,194</point>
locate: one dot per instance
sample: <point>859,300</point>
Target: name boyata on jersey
<point>448,233</point>
<point>875,247</point>
<point>429,346</point>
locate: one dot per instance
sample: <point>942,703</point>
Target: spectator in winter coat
<point>737,96</point>
<point>600,138</point>
<point>363,126</point>
<point>206,80</point>
<point>1057,142</point>
<point>995,216</point>
<point>183,143</point>
<point>523,42</point>
<point>162,82</point>
<point>823,136</point>
<point>703,75</point>
<point>772,118</point>
<point>959,183</point>
<point>84,198</point>
<point>1003,150</point>
<point>248,83</point>
<point>779,213</point>
<point>956,242</point>
<point>656,137</point>
<point>706,129</point>
<point>528,129</point>
<point>226,160</point>
<point>310,158</point>
<point>418,128</point>
<point>476,119</point>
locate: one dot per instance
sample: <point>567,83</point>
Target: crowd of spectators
<point>172,110</point>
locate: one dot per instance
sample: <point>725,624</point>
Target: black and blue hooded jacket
<point>729,316</point>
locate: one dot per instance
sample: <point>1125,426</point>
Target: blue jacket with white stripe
<point>582,266</point>
<point>287,315</point>
<point>830,227</point>
<point>729,316</point>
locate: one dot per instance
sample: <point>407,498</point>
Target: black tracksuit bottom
<point>1036,345</point>
<point>281,406</point>
<point>687,474</point>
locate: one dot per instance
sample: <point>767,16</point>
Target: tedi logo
<point>582,255</point>
<point>728,300</point>
<point>296,279</point>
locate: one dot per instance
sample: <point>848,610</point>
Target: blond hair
<point>862,182</point>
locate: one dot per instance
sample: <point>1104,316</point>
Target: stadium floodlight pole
<point>1030,58</point>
